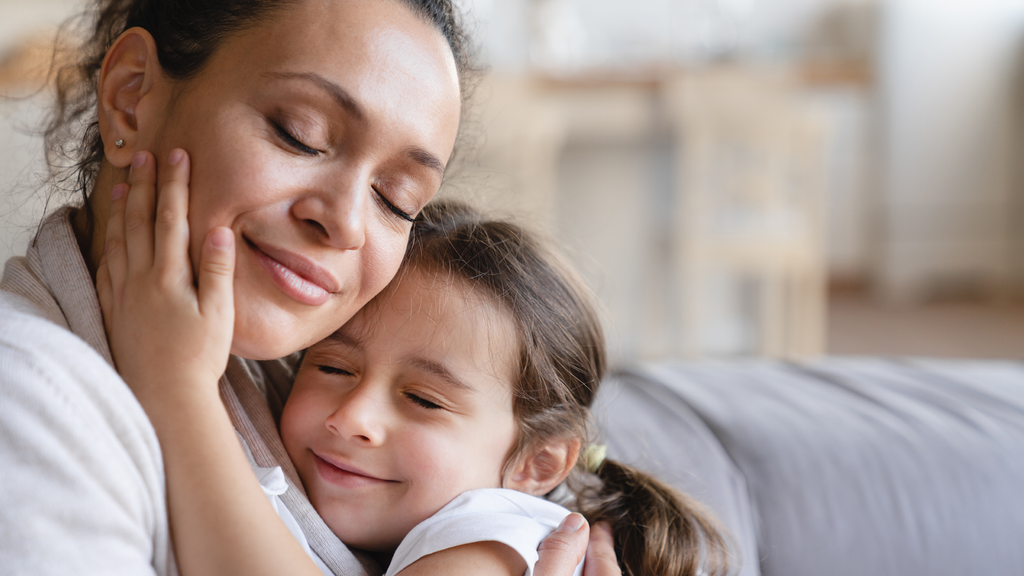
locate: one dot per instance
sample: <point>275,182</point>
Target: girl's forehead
<point>440,297</point>
<point>437,308</point>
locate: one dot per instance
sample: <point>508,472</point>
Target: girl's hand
<point>167,337</point>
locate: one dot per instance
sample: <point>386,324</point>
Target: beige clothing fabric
<point>81,473</point>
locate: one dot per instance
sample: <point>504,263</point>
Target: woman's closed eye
<point>391,207</point>
<point>294,142</point>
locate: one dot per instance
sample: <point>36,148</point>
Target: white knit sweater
<point>81,473</point>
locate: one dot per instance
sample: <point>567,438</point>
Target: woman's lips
<point>343,475</point>
<point>298,277</point>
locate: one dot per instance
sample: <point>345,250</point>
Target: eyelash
<point>418,400</point>
<point>333,370</point>
<point>298,145</point>
<point>394,209</point>
<point>422,402</point>
<point>294,142</point>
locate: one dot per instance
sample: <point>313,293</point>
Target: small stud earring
<point>119,143</point>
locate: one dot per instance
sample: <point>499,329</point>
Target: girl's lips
<point>296,276</point>
<point>343,475</point>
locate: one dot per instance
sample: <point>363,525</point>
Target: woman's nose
<point>337,216</point>
<point>361,415</point>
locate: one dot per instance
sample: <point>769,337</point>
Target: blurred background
<point>784,178</point>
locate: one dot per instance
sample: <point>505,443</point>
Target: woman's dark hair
<point>656,529</point>
<point>186,33</point>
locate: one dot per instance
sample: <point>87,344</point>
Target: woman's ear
<point>130,70</point>
<point>544,466</point>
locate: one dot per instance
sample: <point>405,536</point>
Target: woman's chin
<point>265,340</point>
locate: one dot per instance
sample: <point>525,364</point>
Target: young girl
<point>438,416</point>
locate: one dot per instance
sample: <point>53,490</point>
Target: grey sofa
<point>839,466</point>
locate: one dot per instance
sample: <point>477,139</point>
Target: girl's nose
<point>337,215</point>
<point>360,416</point>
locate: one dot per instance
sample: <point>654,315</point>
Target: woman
<point>318,129</point>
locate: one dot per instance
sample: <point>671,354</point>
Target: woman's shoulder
<point>33,343</point>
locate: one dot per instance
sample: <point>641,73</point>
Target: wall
<point>952,128</point>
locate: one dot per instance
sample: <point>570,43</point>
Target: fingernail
<point>572,523</point>
<point>176,155</point>
<point>118,191</point>
<point>221,239</point>
<point>138,160</point>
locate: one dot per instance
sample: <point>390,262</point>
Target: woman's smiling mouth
<point>298,277</point>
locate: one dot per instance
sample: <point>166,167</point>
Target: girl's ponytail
<point>657,529</point>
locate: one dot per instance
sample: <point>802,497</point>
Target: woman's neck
<point>92,235</point>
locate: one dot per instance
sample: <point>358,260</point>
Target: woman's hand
<point>561,551</point>
<point>165,334</point>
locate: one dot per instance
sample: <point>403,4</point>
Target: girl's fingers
<point>171,229</point>
<point>105,291</point>
<point>138,214</point>
<point>216,276</point>
<point>115,256</point>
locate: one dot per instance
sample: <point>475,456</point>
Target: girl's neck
<point>91,235</point>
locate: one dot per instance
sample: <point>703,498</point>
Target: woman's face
<point>315,137</point>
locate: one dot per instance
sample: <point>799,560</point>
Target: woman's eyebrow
<point>347,102</point>
<point>342,97</point>
<point>424,158</point>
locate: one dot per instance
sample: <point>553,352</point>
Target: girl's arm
<point>171,344</point>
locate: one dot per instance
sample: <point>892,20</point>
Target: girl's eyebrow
<point>344,339</point>
<point>441,371</point>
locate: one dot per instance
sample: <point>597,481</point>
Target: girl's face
<point>403,409</point>
<point>313,136</point>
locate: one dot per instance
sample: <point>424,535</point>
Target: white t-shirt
<point>513,518</point>
<point>273,482</point>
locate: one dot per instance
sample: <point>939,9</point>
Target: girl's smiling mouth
<point>343,475</point>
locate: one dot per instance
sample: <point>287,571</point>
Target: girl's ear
<point>544,466</point>
<point>128,75</point>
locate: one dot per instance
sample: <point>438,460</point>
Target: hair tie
<point>593,457</point>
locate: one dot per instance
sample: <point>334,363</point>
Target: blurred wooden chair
<point>750,180</point>
<point>513,167</point>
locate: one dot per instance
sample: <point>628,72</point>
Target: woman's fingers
<point>601,559</point>
<point>216,277</point>
<point>171,235</point>
<point>563,549</point>
<point>114,252</point>
<point>138,213</point>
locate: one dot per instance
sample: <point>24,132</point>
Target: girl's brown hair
<point>656,529</point>
<point>186,34</point>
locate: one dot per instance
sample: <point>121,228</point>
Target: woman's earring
<point>119,143</point>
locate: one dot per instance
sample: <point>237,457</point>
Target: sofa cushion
<point>649,426</point>
<point>859,466</point>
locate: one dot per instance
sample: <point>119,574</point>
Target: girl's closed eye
<point>333,370</point>
<point>423,402</point>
